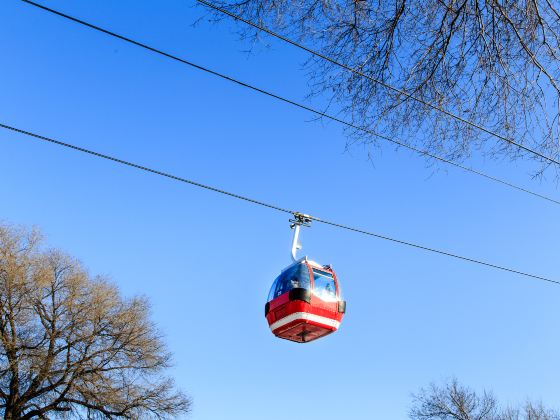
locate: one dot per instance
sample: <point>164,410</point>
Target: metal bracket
<point>299,220</point>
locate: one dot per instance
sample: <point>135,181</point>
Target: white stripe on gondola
<point>304,315</point>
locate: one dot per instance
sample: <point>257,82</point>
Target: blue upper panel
<point>296,276</point>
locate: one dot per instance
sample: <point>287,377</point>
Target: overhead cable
<point>293,103</point>
<point>272,206</point>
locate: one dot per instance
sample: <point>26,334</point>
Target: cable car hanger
<point>299,220</point>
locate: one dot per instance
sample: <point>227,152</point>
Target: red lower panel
<point>303,331</point>
<point>301,321</point>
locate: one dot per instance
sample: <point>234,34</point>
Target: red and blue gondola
<point>304,302</point>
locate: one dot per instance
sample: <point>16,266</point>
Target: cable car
<point>304,302</point>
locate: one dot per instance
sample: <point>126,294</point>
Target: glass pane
<point>324,286</point>
<point>272,289</point>
<point>293,277</point>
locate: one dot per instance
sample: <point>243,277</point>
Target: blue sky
<point>206,261</point>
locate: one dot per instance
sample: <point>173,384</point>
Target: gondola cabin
<point>304,302</point>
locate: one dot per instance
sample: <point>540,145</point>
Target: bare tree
<point>531,411</point>
<point>453,401</point>
<point>71,345</point>
<point>495,63</point>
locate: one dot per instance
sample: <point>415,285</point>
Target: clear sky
<point>206,261</point>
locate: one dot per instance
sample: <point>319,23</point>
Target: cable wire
<point>291,102</point>
<point>272,206</point>
<point>143,168</point>
<point>380,82</point>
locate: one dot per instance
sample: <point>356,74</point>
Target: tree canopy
<point>494,63</point>
<point>70,344</point>
<point>453,401</point>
